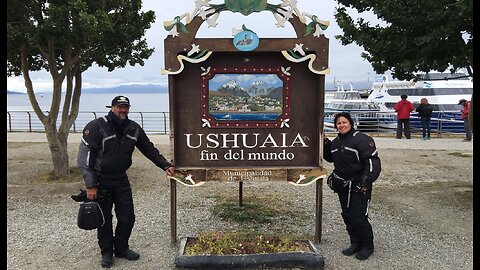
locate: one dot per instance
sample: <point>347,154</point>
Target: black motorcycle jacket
<point>354,155</point>
<point>106,151</point>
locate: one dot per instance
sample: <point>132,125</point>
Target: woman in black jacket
<point>356,167</point>
<point>425,110</point>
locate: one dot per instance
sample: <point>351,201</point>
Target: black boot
<point>352,249</point>
<point>354,239</point>
<point>365,252</point>
<point>107,260</point>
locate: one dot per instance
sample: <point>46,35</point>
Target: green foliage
<point>65,38</point>
<point>76,32</point>
<point>248,212</point>
<point>74,175</point>
<point>417,35</point>
<point>241,242</point>
<point>255,210</point>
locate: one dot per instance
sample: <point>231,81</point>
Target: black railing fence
<point>27,121</point>
<point>443,122</point>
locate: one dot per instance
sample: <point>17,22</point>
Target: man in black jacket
<point>356,167</point>
<point>104,156</point>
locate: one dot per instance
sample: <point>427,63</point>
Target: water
<point>141,102</point>
<point>151,110</point>
<point>231,116</point>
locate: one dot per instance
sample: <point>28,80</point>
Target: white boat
<point>443,91</point>
<point>351,101</point>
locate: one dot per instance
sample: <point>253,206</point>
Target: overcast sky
<point>345,62</point>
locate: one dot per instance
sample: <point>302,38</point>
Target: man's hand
<point>170,170</point>
<point>92,193</point>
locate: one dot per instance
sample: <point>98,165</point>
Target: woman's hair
<point>344,114</point>
<point>423,101</point>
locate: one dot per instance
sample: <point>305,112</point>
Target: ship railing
<point>381,123</point>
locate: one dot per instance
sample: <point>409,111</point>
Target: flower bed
<point>306,256</point>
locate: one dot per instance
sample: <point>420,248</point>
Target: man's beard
<point>122,116</point>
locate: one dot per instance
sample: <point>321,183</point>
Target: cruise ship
<point>442,90</point>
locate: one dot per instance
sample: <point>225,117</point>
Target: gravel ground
<point>421,210</point>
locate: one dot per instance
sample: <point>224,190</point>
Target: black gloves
<point>364,181</point>
<point>82,196</point>
<point>363,185</point>
<point>326,142</point>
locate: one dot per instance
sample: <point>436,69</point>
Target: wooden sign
<point>246,108</point>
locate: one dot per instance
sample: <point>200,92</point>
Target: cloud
<point>345,62</point>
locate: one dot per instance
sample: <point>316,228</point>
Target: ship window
<point>452,91</point>
<point>399,92</point>
<point>446,107</point>
<point>390,105</point>
<point>429,91</point>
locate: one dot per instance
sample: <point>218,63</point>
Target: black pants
<point>405,123</point>
<point>355,216</point>
<point>120,195</point>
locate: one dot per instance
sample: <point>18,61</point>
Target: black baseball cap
<point>462,101</point>
<point>120,100</point>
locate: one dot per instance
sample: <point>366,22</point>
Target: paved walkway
<point>382,142</point>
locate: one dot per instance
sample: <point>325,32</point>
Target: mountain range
<point>157,88</point>
<point>121,89</point>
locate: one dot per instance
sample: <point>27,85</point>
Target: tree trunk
<point>57,143</point>
<point>57,139</point>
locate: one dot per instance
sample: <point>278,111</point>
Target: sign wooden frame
<point>190,62</point>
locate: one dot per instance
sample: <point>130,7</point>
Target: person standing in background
<point>425,110</point>
<point>403,109</point>
<point>465,112</point>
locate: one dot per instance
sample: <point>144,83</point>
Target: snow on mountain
<point>258,83</point>
<point>232,84</point>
